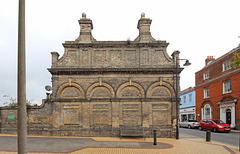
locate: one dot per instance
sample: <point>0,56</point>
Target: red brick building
<point>218,90</point>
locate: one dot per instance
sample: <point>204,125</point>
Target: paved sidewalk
<point>235,131</point>
<point>103,145</point>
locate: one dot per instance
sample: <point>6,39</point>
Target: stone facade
<point>101,87</point>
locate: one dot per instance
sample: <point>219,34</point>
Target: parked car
<point>214,125</point>
<point>189,124</point>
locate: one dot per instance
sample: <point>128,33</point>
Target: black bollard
<point>208,136</point>
<point>155,137</point>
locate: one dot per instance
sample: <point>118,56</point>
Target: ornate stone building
<point>102,87</point>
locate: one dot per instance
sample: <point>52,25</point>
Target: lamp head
<point>187,63</point>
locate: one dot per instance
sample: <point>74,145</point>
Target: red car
<point>214,125</point>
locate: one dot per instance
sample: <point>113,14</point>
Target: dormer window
<point>226,66</point>
<point>206,75</point>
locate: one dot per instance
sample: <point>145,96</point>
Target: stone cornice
<point>81,71</point>
<point>228,102</point>
<point>111,99</point>
<point>115,44</point>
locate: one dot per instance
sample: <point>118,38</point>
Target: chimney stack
<point>86,27</point>
<point>144,30</point>
<point>209,59</point>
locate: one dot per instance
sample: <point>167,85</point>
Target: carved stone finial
<point>84,15</point>
<point>143,15</point>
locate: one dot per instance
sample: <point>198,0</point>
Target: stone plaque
<point>101,117</point>
<point>161,113</point>
<point>160,106</point>
<point>70,106</point>
<point>100,106</point>
<point>160,117</point>
<point>99,57</point>
<point>70,117</point>
<point>130,106</point>
<point>145,57</point>
<point>131,117</point>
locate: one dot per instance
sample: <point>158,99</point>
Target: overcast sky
<point>197,28</point>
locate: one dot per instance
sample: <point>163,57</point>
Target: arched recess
<point>206,102</point>
<point>157,90</point>
<point>70,90</point>
<point>100,111</point>
<point>102,90</point>
<point>161,111</point>
<point>130,90</point>
<point>130,110</point>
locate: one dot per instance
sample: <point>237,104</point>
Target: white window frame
<point>227,87</point>
<point>226,66</point>
<point>206,75</point>
<point>206,93</point>
<point>184,99</point>
<point>190,98</point>
<point>204,112</point>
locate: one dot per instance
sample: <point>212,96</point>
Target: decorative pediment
<point>227,100</point>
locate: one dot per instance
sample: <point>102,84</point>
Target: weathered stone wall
<point>106,102</point>
<point>8,121</point>
<point>38,118</point>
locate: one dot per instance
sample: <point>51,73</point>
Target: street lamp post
<point>21,84</point>
<point>187,63</point>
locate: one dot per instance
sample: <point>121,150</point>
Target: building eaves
<point>226,54</point>
<point>219,77</point>
<point>188,90</point>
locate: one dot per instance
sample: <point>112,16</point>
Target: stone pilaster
<point>86,115</point>
<point>145,113</point>
<point>115,114</point>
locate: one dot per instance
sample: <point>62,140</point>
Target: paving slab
<point>102,145</point>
